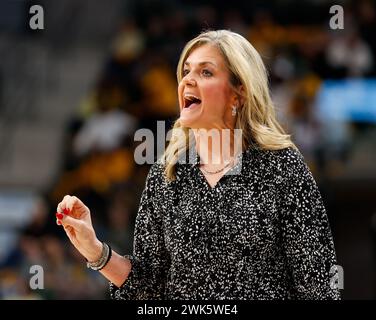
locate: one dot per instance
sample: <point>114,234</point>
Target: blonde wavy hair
<point>256,118</point>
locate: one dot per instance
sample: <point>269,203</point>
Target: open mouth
<point>191,101</point>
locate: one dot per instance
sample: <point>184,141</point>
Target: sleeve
<point>150,260</point>
<point>306,235</point>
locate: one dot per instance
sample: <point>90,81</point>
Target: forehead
<point>205,53</point>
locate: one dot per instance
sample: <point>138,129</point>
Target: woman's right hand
<point>74,216</point>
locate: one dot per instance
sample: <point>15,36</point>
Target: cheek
<point>216,95</point>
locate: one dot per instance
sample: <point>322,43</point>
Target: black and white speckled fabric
<point>261,234</point>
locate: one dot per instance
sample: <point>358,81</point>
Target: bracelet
<point>103,260</point>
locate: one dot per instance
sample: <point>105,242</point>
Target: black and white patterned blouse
<point>259,234</point>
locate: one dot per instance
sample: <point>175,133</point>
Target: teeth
<point>190,97</point>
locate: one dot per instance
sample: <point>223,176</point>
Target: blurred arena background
<point>73,94</point>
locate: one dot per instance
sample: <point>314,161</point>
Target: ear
<point>239,97</point>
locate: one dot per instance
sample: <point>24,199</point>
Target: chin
<point>191,125</point>
<point>192,121</point>
<point>188,123</point>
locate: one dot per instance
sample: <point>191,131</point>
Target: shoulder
<point>286,155</point>
<point>155,179</point>
<point>284,164</point>
<point>283,159</point>
<point>156,171</point>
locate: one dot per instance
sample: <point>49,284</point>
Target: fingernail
<point>59,222</point>
<point>59,215</point>
<point>66,211</point>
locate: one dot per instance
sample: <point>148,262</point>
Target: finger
<point>62,206</point>
<point>75,202</point>
<point>59,209</point>
<point>71,201</point>
<point>59,217</point>
<point>60,213</point>
<point>76,206</point>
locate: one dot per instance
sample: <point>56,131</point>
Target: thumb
<point>69,221</point>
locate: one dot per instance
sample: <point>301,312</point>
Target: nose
<point>189,81</point>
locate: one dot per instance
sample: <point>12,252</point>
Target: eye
<point>207,73</point>
<point>185,72</point>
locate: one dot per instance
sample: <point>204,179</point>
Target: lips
<point>191,101</point>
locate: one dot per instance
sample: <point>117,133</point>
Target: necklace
<point>217,171</point>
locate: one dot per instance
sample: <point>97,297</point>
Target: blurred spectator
<point>367,24</point>
<point>349,55</point>
<point>107,126</point>
<point>129,43</point>
<point>103,132</point>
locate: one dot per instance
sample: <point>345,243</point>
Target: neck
<point>217,147</point>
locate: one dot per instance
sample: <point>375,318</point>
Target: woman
<point>240,224</point>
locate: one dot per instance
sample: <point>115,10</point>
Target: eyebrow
<point>201,63</point>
